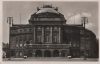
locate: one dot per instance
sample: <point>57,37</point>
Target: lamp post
<point>10,22</point>
<point>84,20</point>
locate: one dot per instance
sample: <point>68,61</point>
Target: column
<point>51,34</point>
<point>34,34</point>
<point>59,34</point>
<point>42,34</point>
<point>42,53</point>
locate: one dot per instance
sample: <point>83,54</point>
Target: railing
<point>48,46</point>
<point>48,19</point>
<point>16,33</point>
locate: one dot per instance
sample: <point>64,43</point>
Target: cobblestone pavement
<point>51,59</point>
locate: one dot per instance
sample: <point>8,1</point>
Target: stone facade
<point>48,35</point>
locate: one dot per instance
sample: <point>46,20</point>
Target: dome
<point>44,10</point>
<point>47,13</point>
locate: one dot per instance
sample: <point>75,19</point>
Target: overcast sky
<point>23,10</point>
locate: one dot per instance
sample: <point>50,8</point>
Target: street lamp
<point>10,22</point>
<point>84,21</point>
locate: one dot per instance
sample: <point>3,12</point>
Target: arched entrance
<point>12,53</point>
<point>47,53</point>
<point>29,53</point>
<point>55,53</point>
<point>63,53</point>
<point>38,53</point>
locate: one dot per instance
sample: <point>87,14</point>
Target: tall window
<point>55,36</point>
<point>47,35</point>
<point>39,34</point>
<point>39,38</point>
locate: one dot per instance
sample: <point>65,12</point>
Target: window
<point>30,30</point>
<point>47,36</point>
<point>55,28</point>
<point>17,53</point>
<point>30,36</point>
<point>21,45</point>
<point>38,28</point>
<point>27,42</point>
<point>16,38</point>
<point>74,45</point>
<point>38,38</point>
<point>55,37</point>
<point>20,30</point>
<point>47,28</point>
<point>20,53</point>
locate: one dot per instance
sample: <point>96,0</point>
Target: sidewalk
<point>50,59</point>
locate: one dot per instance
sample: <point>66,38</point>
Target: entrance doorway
<point>38,53</point>
<point>47,53</point>
<point>63,53</point>
<point>55,53</point>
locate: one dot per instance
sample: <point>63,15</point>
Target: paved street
<point>52,59</point>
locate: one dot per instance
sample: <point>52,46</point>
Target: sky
<point>21,12</point>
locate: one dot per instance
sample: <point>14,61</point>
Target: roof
<point>47,13</point>
<point>44,10</point>
<point>16,26</point>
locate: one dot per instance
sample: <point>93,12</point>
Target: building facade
<point>48,35</point>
